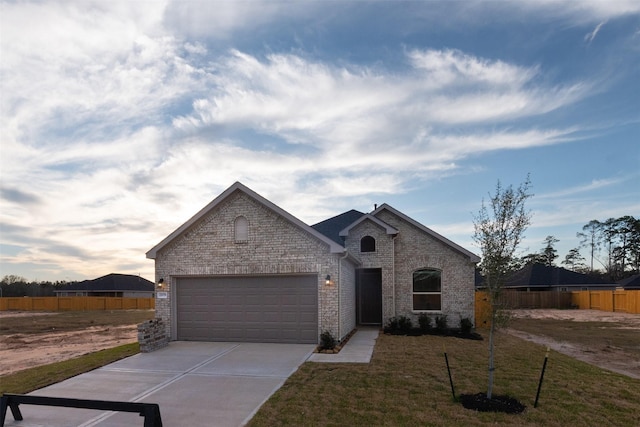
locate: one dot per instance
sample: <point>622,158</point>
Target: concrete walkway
<point>358,349</point>
<point>195,383</point>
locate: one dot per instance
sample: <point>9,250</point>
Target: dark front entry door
<point>369,296</point>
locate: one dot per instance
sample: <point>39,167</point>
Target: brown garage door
<point>248,309</point>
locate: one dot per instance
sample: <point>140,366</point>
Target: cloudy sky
<point>120,120</point>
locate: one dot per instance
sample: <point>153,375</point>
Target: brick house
<point>243,269</point>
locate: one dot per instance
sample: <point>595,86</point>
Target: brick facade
<point>277,244</point>
<point>415,249</point>
<point>381,258</point>
<point>152,335</point>
<point>274,246</point>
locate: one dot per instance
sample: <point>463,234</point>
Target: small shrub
<point>466,325</point>
<point>441,323</point>
<point>327,341</point>
<point>391,326</point>
<point>398,325</point>
<point>425,322</point>
<point>404,324</point>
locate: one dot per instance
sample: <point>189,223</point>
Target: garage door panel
<point>290,317</point>
<point>253,309</point>
<point>235,316</point>
<point>288,300</point>
<point>253,300</point>
<point>307,318</point>
<point>307,300</point>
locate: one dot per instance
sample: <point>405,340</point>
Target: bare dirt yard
<point>609,340</point>
<point>29,339</point>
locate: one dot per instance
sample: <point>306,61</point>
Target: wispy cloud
<point>15,195</point>
<point>577,11</point>
<point>343,132</point>
<point>315,103</point>
<point>595,184</point>
<point>121,119</point>
<point>592,35</point>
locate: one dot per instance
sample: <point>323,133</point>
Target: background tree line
<point>17,286</point>
<point>611,247</point>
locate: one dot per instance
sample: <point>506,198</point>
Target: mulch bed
<point>338,347</point>
<point>415,332</point>
<point>479,402</point>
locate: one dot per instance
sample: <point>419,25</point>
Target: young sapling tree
<point>498,230</point>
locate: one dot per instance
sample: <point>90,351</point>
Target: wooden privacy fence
<point>619,301</point>
<point>539,299</point>
<point>75,303</point>
<point>483,310</point>
<point>518,299</point>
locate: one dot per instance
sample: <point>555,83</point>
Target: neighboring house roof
<point>110,283</point>
<point>632,282</point>
<point>334,247</point>
<point>540,275</point>
<point>331,227</point>
<point>472,257</point>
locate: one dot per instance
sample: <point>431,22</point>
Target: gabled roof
<point>472,257</point>
<point>540,275</point>
<point>111,282</point>
<point>387,228</point>
<point>331,227</point>
<point>334,247</point>
<point>632,282</point>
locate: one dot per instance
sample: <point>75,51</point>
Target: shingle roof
<point>331,227</point>
<point>472,257</point>
<point>541,275</point>
<point>112,282</point>
<point>632,282</point>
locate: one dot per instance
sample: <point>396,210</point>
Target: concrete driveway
<point>195,384</point>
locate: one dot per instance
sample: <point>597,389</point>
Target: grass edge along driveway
<point>28,380</point>
<point>406,383</point>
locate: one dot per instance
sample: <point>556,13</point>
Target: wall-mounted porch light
<point>161,283</point>
<point>327,280</point>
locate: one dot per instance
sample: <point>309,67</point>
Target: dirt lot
<point>29,339</point>
<point>605,339</point>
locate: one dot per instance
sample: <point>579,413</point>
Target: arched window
<point>427,290</point>
<point>367,244</point>
<point>241,227</point>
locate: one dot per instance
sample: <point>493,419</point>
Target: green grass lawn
<point>406,384</point>
<point>34,378</point>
